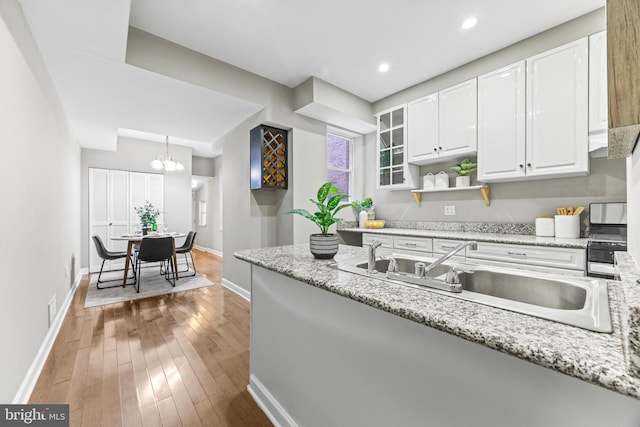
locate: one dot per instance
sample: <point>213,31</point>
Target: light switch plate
<point>450,210</point>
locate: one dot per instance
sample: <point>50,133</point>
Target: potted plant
<point>148,215</point>
<point>324,245</point>
<point>362,207</point>
<point>464,169</point>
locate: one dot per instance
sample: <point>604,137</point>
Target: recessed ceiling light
<point>384,67</point>
<point>469,22</point>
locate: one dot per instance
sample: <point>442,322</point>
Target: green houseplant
<point>464,169</point>
<point>148,216</point>
<point>324,245</point>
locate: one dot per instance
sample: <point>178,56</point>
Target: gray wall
<point>41,200</point>
<point>510,202</point>
<point>136,155</point>
<point>202,166</point>
<point>633,200</point>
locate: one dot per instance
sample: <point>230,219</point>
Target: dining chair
<point>185,249</point>
<point>156,249</point>
<point>108,255</point>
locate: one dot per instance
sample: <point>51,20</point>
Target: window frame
<point>351,170</point>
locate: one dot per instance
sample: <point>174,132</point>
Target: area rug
<point>153,284</point>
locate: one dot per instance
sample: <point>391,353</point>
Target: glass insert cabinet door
<point>392,147</point>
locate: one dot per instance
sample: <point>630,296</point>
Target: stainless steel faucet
<point>472,244</point>
<point>371,265</point>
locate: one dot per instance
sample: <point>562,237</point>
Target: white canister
<point>568,226</point>
<point>362,217</point>
<point>429,181</point>
<point>442,180</point>
<point>545,227</point>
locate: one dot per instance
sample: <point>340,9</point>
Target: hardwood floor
<point>173,360</point>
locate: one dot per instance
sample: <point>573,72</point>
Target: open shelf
<point>484,189</point>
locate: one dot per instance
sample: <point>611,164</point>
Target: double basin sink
<point>576,301</point>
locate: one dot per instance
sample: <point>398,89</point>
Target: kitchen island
<point>333,348</point>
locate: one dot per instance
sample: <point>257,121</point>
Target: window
<point>202,213</point>
<point>340,162</point>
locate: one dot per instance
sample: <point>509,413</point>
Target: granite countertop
<point>597,358</point>
<point>517,239</point>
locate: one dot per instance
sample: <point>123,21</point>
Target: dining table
<point>134,238</point>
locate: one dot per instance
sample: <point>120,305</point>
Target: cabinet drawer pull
<point>410,244</point>
<point>447,247</point>
<point>517,254</point>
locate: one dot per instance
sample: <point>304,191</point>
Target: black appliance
<point>607,234</point>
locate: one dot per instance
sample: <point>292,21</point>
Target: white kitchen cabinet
<point>386,240</point>
<point>443,125</point>
<point>563,258</point>
<point>457,119</point>
<point>557,112</point>
<point>419,244</point>
<point>598,102</point>
<point>443,246</point>
<point>394,171</point>
<point>501,124</point>
<point>422,131</point>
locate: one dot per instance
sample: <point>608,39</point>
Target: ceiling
<point>342,42</point>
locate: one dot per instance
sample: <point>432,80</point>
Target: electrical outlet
<point>450,210</point>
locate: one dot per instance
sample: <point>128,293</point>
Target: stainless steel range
<point>607,234</point>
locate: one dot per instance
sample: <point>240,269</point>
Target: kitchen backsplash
<point>472,227</point>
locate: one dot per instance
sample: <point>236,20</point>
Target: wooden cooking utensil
<point>578,210</point>
<point>569,211</point>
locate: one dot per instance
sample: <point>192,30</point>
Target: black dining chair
<point>185,249</point>
<point>156,249</point>
<point>108,255</point>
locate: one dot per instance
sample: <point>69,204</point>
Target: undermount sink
<point>576,301</point>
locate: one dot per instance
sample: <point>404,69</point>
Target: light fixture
<point>469,22</point>
<point>384,67</point>
<point>166,162</point>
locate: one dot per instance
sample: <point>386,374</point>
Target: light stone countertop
<point>597,358</point>
<point>517,239</point>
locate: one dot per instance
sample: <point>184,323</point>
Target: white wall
<point>210,236</point>
<point>136,155</point>
<point>40,191</point>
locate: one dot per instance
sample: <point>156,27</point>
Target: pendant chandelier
<point>167,162</point>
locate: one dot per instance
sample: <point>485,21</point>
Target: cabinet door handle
<point>435,149</point>
<point>439,148</point>
<point>529,164</point>
<point>517,254</point>
<point>521,166</point>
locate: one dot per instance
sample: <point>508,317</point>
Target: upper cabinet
<point>501,124</point>
<point>443,125</point>
<point>533,117</point>
<point>557,116</point>
<point>457,119</point>
<point>598,105</point>
<point>394,171</point>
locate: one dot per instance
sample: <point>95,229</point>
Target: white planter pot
<point>323,247</point>
<point>463,181</point>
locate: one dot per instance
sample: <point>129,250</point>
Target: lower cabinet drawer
<point>568,258</point>
<point>387,241</point>
<point>413,244</point>
<point>442,246</point>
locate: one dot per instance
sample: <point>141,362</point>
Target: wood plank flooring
<point>172,360</point>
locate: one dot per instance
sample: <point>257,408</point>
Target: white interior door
<point>155,194</point>
<point>118,212</point>
<point>98,213</point>
<point>145,187</point>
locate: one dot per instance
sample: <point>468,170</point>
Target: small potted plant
<point>464,170</point>
<point>148,216</point>
<point>324,245</point>
<point>362,207</point>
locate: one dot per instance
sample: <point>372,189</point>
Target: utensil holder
<point>567,226</point>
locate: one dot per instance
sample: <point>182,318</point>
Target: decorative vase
<point>145,230</point>
<point>362,217</point>
<point>323,247</point>
<point>463,181</point>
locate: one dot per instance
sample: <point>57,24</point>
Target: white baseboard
<point>269,405</point>
<point>211,251</point>
<point>29,382</point>
<point>237,289</point>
